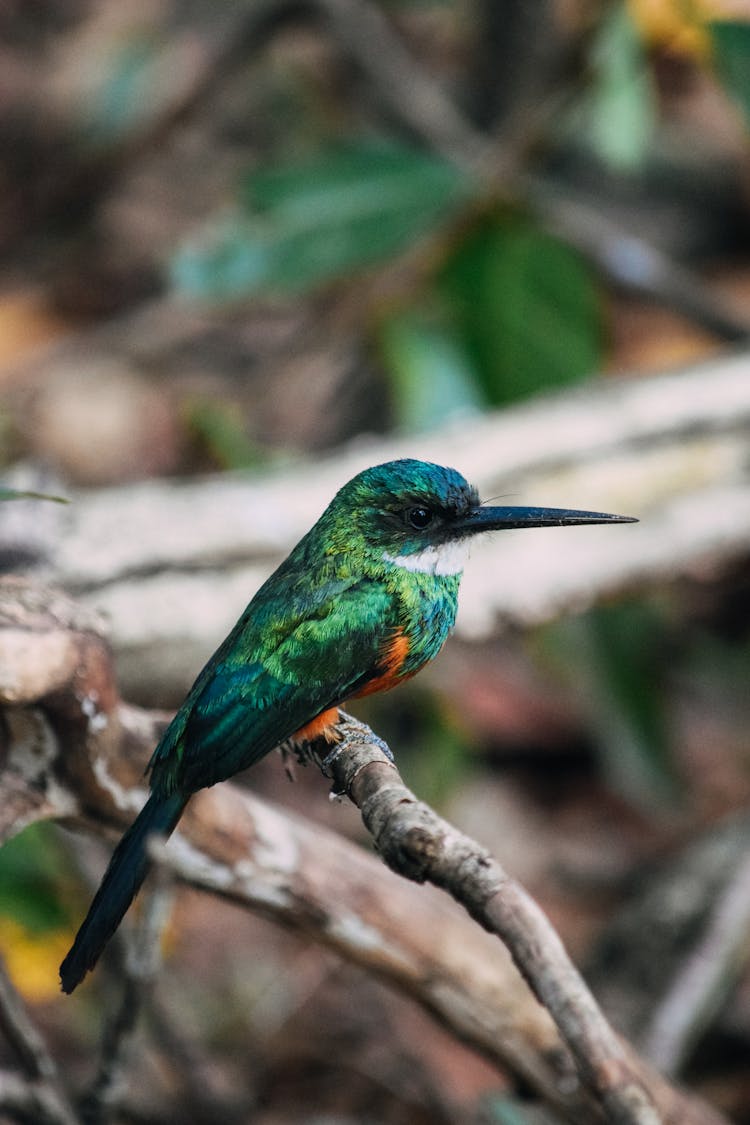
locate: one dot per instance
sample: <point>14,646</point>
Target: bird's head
<point>420,516</point>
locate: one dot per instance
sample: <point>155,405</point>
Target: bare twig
<point>142,963</point>
<point>22,1034</point>
<point>42,1093</point>
<point>631,262</point>
<point>701,983</point>
<point>410,94</point>
<point>31,1101</point>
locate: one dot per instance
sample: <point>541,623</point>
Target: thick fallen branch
<point>311,880</point>
<point>172,565</point>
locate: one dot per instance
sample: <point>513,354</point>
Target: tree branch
<point>140,967</point>
<point>700,983</point>
<point>670,449</point>
<point>419,845</point>
<point>41,1094</point>
<point>311,880</point>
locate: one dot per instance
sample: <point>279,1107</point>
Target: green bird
<point>366,598</point>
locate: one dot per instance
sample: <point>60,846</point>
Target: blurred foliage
<point>218,429</point>
<point>621,647</point>
<point>619,118</point>
<point>123,97</point>
<point>431,374</point>
<point>628,663</point>
<point>730,41</point>
<point>32,958</point>
<point>720,665</point>
<point>505,310</point>
<point>304,224</point>
<point>32,869</point>
<point>437,749</point>
<point>35,928</point>
<point>501,1109</point>
<point>511,310</point>
<point>526,308</point>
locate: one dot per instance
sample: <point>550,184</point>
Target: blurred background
<point>236,238</point>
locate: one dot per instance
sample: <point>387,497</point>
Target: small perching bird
<point>366,598</point>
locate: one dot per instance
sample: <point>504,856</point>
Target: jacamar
<point>365,599</point>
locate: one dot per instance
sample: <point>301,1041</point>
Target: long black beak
<point>496,519</point>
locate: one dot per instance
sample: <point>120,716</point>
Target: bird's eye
<point>418,518</point>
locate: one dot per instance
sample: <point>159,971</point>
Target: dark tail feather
<point>127,870</point>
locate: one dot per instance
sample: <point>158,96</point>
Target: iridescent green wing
<point>273,674</point>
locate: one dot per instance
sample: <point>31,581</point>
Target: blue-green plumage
<point>364,600</point>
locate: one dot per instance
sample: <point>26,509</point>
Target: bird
<point>365,599</point>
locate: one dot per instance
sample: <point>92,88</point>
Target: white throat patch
<point>440,560</point>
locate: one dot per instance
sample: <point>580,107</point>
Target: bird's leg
<point>306,744</point>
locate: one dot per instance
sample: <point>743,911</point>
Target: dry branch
<point>172,565</point>
<point>700,983</point>
<point>40,1095</point>
<point>315,882</point>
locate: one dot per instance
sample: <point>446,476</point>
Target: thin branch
<point>141,966</point>
<point>632,263</point>
<point>22,1034</point>
<point>421,846</point>
<point>702,981</point>
<point>402,84</point>
<point>31,1102</point>
<point>42,1093</point>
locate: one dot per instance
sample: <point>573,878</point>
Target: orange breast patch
<point>394,656</point>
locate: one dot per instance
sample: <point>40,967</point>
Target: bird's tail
<point>127,870</point>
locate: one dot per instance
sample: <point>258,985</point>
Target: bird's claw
<point>383,747</point>
<point>326,763</point>
<point>335,752</point>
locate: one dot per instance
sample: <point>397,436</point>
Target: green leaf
<point>15,494</point>
<point>620,116</point>
<point>304,224</point>
<point>730,40</point>
<point>527,307</point>
<point>430,372</point>
<point>31,872</point>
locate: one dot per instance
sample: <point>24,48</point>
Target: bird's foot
<point>375,740</point>
<point>341,747</point>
